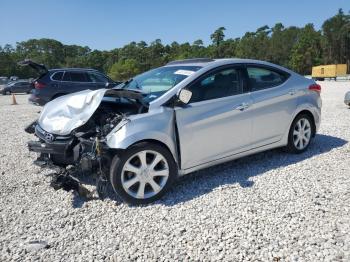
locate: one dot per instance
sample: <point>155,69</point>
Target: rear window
<point>57,76</point>
<point>263,78</point>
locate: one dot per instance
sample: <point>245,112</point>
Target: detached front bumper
<point>60,149</point>
<point>56,148</point>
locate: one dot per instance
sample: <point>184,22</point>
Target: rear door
<point>274,102</point>
<point>75,81</point>
<point>217,121</point>
<point>23,87</point>
<point>16,87</point>
<point>56,79</point>
<point>19,87</point>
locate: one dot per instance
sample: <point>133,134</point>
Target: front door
<point>216,123</point>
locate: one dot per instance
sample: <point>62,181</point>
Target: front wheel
<point>143,173</point>
<point>300,134</point>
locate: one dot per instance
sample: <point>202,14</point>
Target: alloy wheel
<point>302,133</point>
<point>145,174</point>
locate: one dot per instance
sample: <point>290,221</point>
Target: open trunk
<point>40,68</point>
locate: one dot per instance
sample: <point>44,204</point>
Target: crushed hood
<point>63,114</point>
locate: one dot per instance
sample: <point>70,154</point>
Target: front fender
<point>158,127</point>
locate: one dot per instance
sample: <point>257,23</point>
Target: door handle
<point>242,106</point>
<point>292,92</point>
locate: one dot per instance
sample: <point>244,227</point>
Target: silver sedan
<point>179,118</point>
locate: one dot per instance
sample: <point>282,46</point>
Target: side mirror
<point>185,96</point>
<point>107,85</point>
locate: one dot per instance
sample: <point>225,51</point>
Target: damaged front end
<point>72,130</point>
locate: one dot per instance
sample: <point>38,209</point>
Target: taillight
<point>315,87</point>
<point>39,85</point>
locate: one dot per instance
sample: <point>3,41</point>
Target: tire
<point>6,93</point>
<point>143,184</point>
<point>299,141</point>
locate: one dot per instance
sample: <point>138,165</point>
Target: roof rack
<point>191,60</point>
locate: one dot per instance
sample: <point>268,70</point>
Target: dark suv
<point>58,82</point>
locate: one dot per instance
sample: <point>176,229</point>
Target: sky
<point>108,24</point>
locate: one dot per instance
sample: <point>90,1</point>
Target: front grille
<point>42,134</point>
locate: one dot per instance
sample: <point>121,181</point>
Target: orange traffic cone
<point>14,102</point>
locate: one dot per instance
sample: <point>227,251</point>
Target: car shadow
<point>237,171</point>
<point>241,170</point>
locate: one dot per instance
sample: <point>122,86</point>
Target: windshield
<point>156,82</point>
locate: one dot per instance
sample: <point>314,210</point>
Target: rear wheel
<point>143,173</point>
<point>300,134</point>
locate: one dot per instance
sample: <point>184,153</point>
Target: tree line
<point>298,48</point>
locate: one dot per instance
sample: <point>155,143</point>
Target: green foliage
<point>307,50</point>
<point>336,31</point>
<point>297,48</point>
<point>124,69</point>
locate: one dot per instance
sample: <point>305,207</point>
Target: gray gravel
<point>271,206</point>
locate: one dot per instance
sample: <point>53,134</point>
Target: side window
<point>222,83</point>
<point>66,76</point>
<point>97,78</point>
<point>261,78</point>
<point>78,77</point>
<point>57,76</point>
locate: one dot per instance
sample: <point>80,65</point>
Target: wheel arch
<point>153,141</point>
<point>156,138</point>
<point>311,115</point>
<point>305,109</point>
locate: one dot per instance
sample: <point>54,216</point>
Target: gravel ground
<point>271,206</point>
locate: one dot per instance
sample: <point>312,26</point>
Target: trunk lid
<point>40,68</point>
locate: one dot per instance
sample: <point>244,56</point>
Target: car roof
<point>206,62</point>
<point>73,69</point>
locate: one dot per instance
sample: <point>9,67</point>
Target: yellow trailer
<point>328,71</point>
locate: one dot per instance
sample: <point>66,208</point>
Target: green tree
<point>282,41</point>
<point>307,51</point>
<point>336,31</point>
<point>124,69</point>
<point>298,48</point>
<point>218,36</point>
<point>255,45</point>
